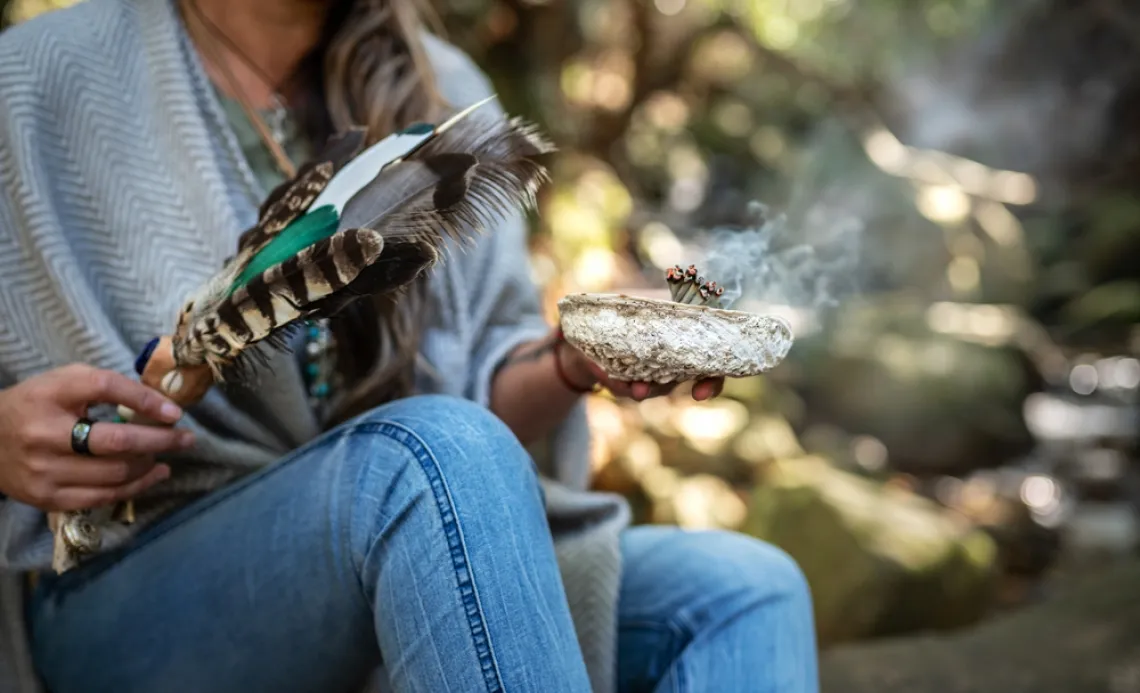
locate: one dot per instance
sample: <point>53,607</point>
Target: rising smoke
<point>768,263</point>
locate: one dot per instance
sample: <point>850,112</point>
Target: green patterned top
<point>258,155</point>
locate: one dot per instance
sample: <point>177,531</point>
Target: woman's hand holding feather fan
<point>353,222</point>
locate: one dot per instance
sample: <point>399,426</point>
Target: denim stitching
<point>468,592</point>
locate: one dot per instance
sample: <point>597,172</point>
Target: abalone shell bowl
<point>651,340</point>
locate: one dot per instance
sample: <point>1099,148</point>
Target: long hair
<point>370,68</point>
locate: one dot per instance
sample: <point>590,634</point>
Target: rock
<point>939,403</point>
<point>1084,640</point>
<point>879,560</point>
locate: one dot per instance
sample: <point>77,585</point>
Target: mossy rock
<point>880,560</point>
<point>940,404</point>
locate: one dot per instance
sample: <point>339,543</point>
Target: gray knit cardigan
<point>122,188</point>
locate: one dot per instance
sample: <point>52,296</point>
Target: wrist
<point>577,366</point>
<point>573,367</point>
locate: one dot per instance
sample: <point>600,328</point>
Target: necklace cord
<point>284,163</point>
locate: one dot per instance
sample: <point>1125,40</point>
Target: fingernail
<point>187,440</point>
<point>163,472</point>
<point>171,411</point>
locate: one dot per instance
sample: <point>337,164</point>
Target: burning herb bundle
<point>687,286</point>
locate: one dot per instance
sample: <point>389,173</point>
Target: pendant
<point>277,117</point>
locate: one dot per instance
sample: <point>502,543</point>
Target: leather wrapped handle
<point>157,369</point>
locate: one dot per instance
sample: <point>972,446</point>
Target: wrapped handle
<point>81,533</point>
<point>157,369</point>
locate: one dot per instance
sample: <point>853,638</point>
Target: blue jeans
<point>413,536</point>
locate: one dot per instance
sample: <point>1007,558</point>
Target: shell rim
<point>583,299</point>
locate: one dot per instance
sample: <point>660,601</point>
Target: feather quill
<point>347,227</point>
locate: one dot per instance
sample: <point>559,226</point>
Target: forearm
<point>528,393</point>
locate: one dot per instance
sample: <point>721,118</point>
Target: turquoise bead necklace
<point>319,363</point>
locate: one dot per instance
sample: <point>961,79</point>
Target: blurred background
<point>941,197</point>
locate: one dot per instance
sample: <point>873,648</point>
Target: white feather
<point>363,169</point>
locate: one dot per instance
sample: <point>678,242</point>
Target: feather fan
<point>348,226</point>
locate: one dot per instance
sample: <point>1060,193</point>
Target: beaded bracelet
<point>559,340</point>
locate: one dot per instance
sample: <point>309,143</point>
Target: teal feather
<point>315,226</point>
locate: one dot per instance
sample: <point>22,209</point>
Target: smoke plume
<point>766,262</point>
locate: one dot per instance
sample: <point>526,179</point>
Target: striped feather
<point>475,172</point>
<point>282,207</point>
<point>277,297</point>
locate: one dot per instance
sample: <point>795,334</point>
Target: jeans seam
<point>679,626</point>
<point>468,592</point>
<point>681,679</point>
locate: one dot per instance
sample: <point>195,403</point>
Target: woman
<point>290,541</point>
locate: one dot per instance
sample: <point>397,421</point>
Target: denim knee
<point>466,439</point>
<point>771,566</point>
<point>756,571</point>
